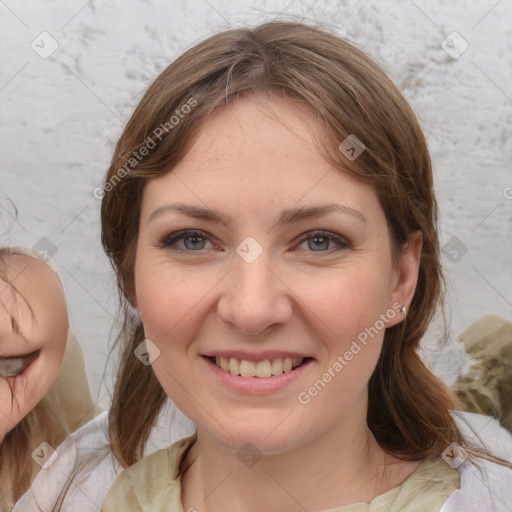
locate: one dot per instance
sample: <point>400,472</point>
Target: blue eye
<point>320,241</point>
<point>193,240</point>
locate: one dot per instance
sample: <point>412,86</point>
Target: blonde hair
<point>409,407</point>
<point>57,414</point>
<point>17,468</point>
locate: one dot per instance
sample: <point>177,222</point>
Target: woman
<point>284,295</point>
<point>270,215</point>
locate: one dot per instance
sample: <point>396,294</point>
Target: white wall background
<point>60,117</point>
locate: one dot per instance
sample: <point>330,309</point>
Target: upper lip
<point>255,356</point>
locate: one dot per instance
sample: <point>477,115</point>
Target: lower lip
<point>257,385</point>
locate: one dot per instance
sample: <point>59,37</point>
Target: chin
<point>264,437</point>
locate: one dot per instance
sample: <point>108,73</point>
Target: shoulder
<point>153,479</point>
<point>484,485</point>
<point>85,458</point>
<point>484,432</point>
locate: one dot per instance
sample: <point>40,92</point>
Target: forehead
<point>255,151</point>
<point>10,295</point>
<point>264,131</point>
<point>23,276</point>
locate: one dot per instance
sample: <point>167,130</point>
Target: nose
<point>254,299</point>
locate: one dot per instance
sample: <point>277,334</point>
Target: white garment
<point>485,490</point>
<point>484,432</point>
<point>481,490</point>
<point>489,488</point>
<point>88,488</point>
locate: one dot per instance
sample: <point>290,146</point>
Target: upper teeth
<point>260,369</point>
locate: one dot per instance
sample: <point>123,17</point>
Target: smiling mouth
<point>261,369</point>
<point>16,365</point>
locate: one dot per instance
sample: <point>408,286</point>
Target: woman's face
<point>30,359</point>
<point>255,255</point>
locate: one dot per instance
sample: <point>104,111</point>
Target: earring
<point>403,309</point>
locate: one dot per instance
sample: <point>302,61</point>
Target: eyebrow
<point>285,217</point>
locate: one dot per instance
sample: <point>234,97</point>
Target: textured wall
<point>61,113</point>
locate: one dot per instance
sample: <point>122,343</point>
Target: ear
<point>405,276</point>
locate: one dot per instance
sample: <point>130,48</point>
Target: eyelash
<point>169,240</point>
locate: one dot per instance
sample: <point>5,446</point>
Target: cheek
<point>167,298</point>
<point>54,328</point>
<point>8,417</point>
<point>344,302</point>
<point>344,311</point>
<point>26,392</point>
<point>52,338</point>
<point>346,315</point>
<point>31,388</point>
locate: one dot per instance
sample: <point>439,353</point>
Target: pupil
<point>196,242</point>
<point>320,242</point>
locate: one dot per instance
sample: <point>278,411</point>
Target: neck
<point>344,466</point>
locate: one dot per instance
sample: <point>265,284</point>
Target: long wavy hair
<point>409,407</point>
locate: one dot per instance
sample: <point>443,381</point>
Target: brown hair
<point>409,408</point>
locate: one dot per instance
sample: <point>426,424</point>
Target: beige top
<point>154,485</point>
